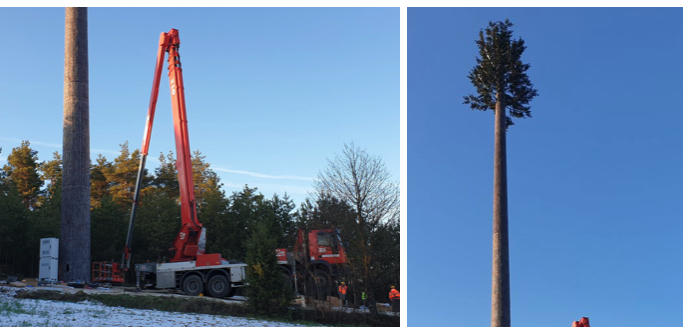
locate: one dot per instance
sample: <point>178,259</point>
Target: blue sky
<point>595,177</point>
<point>271,93</point>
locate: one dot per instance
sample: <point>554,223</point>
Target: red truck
<point>315,263</point>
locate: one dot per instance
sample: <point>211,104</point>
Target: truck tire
<point>287,281</point>
<point>193,285</point>
<point>320,285</point>
<point>218,286</point>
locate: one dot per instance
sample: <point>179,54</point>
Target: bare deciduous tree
<point>362,181</point>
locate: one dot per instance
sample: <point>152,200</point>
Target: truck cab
<point>326,245</point>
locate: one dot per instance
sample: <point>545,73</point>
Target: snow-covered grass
<point>46,313</point>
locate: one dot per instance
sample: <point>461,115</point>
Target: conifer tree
<point>266,292</point>
<point>51,174</point>
<point>22,170</point>
<point>13,220</point>
<point>166,177</point>
<point>99,185</point>
<point>213,215</point>
<point>122,175</point>
<point>240,219</point>
<point>503,86</point>
<point>108,230</point>
<point>157,223</point>
<point>284,219</point>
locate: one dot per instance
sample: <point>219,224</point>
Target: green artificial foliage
<point>501,73</point>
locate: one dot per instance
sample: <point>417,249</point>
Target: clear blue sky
<point>595,177</point>
<point>270,93</point>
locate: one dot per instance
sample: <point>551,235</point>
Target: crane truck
<point>189,269</point>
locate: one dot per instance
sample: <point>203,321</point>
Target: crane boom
<point>189,241</point>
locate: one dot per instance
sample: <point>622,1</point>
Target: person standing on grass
<point>342,293</point>
<point>394,299</point>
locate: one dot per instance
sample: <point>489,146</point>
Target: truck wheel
<point>287,282</point>
<point>193,286</point>
<point>218,286</point>
<point>320,284</point>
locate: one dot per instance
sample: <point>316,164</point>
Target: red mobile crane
<point>187,245</point>
<point>189,269</point>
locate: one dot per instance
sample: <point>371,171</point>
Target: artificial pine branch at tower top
<point>500,71</point>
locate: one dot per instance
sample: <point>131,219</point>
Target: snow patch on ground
<point>47,313</point>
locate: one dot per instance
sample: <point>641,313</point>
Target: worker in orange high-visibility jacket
<point>342,293</point>
<point>394,299</point>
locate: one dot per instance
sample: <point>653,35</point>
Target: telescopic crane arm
<point>189,241</point>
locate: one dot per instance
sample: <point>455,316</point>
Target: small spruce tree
<point>266,293</point>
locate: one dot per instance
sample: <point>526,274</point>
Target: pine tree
<point>212,212</point>
<point>13,223</point>
<point>284,219</point>
<point>157,222</point>
<point>108,230</point>
<point>266,293</point>
<point>166,177</point>
<point>22,170</point>
<point>51,174</point>
<point>241,218</point>
<point>204,178</point>
<point>502,86</point>
<point>99,185</point>
<point>121,176</point>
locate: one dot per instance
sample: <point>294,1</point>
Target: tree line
<point>354,193</point>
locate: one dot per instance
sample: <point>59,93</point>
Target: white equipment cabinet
<point>49,253</point>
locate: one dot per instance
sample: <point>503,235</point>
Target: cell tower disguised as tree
<point>502,86</point>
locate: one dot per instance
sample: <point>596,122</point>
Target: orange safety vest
<point>394,294</point>
<point>342,290</point>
